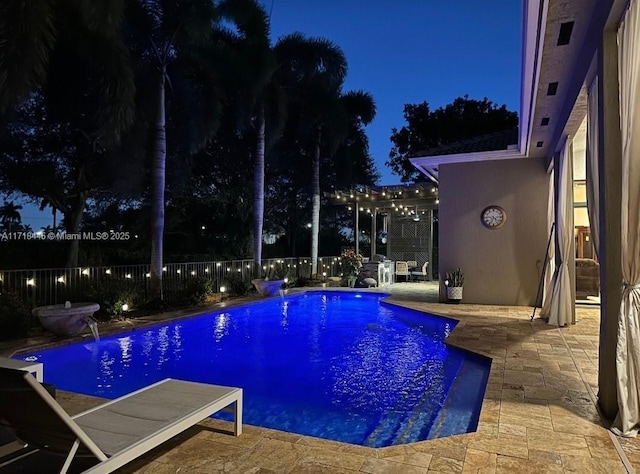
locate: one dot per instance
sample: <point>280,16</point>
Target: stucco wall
<point>500,266</point>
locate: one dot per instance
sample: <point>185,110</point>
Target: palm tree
<point>47,202</point>
<point>10,215</point>
<point>269,73</point>
<point>33,34</point>
<point>173,41</point>
<point>258,62</point>
<point>329,116</point>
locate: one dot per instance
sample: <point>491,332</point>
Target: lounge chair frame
<point>113,432</point>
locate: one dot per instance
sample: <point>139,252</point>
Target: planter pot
<point>454,294</point>
<point>64,320</point>
<point>267,287</point>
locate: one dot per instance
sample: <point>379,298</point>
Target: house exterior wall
<point>500,266</point>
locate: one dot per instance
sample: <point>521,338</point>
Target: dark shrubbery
<point>196,290</point>
<point>113,293</point>
<point>238,286</point>
<point>277,271</point>
<point>15,317</point>
<point>302,282</point>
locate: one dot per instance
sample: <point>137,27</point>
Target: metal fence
<point>57,285</point>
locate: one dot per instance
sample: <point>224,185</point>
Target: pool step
<point>462,409</point>
<point>424,414</point>
<point>399,427</point>
<point>390,421</point>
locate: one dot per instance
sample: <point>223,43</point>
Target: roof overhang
<point>533,30</point>
<point>429,165</point>
<point>571,65</point>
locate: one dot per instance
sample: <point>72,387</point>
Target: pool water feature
<point>338,365</point>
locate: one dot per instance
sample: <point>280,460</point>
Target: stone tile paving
<point>538,414</point>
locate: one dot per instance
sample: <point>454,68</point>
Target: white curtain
<point>561,304</point>
<point>628,345</point>
<point>593,184</point>
<point>549,275</point>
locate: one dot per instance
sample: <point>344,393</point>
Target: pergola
<point>408,202</point>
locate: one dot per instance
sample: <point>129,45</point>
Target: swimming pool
<point>337,365</point>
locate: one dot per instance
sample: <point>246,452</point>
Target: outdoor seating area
<point>409,270</point>
<point>538,415</point>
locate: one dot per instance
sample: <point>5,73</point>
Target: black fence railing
<point>57,285</point>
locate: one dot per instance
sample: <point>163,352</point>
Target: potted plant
<point>351,263</point>
<point>453,282</point>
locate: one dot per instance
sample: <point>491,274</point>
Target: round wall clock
<point>493,217</point>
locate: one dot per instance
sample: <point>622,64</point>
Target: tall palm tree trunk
<point>258,191</point>
<point>74,218</point>
<point>315,213</point>
<point>157,193</point>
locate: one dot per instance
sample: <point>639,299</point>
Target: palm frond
<point>187,22</point>
<point>102,16</point>
<point>153,11</point>
<point>250,19</point>
<point>306,57</point>
<point>360,105</point>
<point>117,89</point>
<point>27,37</point>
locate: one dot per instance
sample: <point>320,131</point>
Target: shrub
<point>277,271</point>
<point>302,282</point>
<point>238,286</point>
<point>113,293</point>
<point>196,290</point>
<point>15,317</point>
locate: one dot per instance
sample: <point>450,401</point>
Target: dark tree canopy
<point>462,119</point>
<point>116,114</point>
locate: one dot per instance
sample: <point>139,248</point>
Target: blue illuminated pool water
<point>337,365</point>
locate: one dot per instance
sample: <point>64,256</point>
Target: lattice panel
<point>409,240</point>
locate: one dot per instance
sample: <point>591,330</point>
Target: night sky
<point>410,51</point>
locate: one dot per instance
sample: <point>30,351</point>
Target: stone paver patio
<point>539,412</point>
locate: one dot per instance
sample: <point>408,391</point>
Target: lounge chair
<point>116,432</point>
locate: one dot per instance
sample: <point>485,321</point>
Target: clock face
<point>493,217</point>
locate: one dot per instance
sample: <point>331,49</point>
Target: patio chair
<point>422,273</point>
<point>412,264</point>
<point>402,269</point>
<point>116,432</point>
